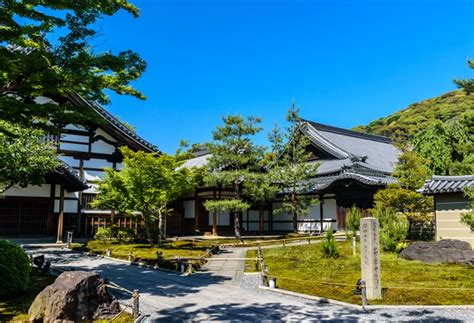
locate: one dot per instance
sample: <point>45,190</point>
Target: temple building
<point>352,167</point>
<point>62,203</point>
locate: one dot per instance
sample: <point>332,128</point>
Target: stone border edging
<point>368,307</point>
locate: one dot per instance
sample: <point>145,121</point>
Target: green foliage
<point>393,228</point>
<point>467,85</point>
<point>25,157</point>
<point>226,205</point>
<point>329,245</point>
<point>401,246</point>
<point>235,162</point>
<point>14,269</point>
<point>47,50</point>
<point>353,221</point>
<point>292,169</point>
<point>148,184</point>
<point>468,217</point>
<point>445,144</point>
<point>402,197</point>
<point>406,123</point>
<point>114,234</point>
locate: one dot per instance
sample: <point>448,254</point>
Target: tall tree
<point>466,85</point>
<point>292,168</point>
<point>402,196</point>
<point>148,184</point>
<point>25,156</point>
<point>233,158</point>
<point>37,63</point>
<point>448,146</point>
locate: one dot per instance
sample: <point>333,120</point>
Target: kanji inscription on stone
<point>370,257</point>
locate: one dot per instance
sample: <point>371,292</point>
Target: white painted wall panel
<point>101,132</point>
<point>78,138</point>
<point>253,226</point>
<point>102,147</point>
<point>119,166</point>
<point>69,206</point>
<point>329,209</point>
<point>189,209</point>
<point>74,147</point>
<point>32,190</point>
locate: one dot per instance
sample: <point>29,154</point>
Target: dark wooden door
<point>24,216</point>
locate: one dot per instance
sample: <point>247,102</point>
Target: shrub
<point>114,233</point>
<point>401,246</point>
<point>393,228</point>
<point>328,245</point>
<point>14,269</point>
<point>353,222</point>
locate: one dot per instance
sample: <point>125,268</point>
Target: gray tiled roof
<point>447,184</point>
<point>324,182</point>
<point>371,151</point>
<point>74,181</point>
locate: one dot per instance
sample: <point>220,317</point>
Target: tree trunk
<point>237,225</point>
<point>160,229</point>
<point>147,231</point>
<point>260,216</point>
<point>214,223</point>
<point>294,215</point>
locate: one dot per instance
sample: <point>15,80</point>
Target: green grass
<point>303,269</point>
<point>143,252</point>
<point>14,308</point>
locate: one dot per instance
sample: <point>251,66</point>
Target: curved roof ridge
<point>323,142</point>
<point>116,123</point>
<point>348,132</point>
<point>452,177</point>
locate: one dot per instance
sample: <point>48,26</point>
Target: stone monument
<point>370,256</point>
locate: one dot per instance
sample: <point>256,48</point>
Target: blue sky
<point>345,63</point>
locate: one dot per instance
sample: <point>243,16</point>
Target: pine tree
<point>234,160</point>
<point>292,168</point>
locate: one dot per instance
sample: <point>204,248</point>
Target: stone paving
<point>215,295</point>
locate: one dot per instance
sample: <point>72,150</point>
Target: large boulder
<point>443,251</point>
<point>74,296</point>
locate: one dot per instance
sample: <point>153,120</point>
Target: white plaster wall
<point>280,216</point>
<point>79,138</point>
<point>102,147</point>
<point>30,191</point>
<point>74,147</point>
<point>70,206</point>
<point>119,166</point>
<point>222,218</point>
<point>57,193</point>
<point>101,132</point>
<point>189,209</point>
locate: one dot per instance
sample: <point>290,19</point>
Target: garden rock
<point>74,296</point>
<point>443,251</point>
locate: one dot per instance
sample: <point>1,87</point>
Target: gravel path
<point>214,295</point>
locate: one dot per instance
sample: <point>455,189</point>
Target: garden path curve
<point>207,296</point>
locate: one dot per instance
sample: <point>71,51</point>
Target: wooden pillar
<point>270,217</point>
<point>51,210</point>
<point>214,217</point>
<point>79,202</point>
<point>61,216</point>
<point>196,213</point>
<point>321,217</point>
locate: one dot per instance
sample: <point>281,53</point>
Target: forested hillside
<point>405,123</point>
<point>440,129</point>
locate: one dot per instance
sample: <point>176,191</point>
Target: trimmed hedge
<point>14,269</point>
